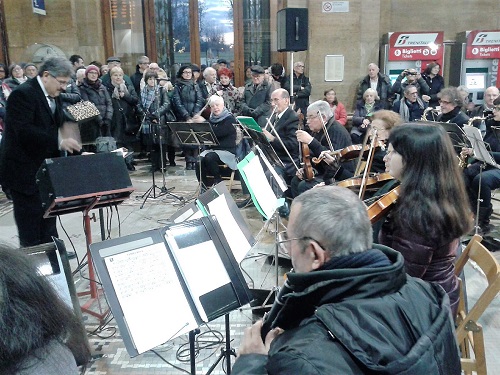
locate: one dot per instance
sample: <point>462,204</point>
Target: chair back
<point>468,331</point>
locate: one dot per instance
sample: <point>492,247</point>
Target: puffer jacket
<point>360,321</point>
<point>187,99</point>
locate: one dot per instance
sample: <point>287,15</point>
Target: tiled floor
<point>110,356</point>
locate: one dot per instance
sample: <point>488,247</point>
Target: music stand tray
<point>456,133</point>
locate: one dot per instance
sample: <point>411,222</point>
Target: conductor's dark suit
<point>30,136</point>
<point>286,126</point>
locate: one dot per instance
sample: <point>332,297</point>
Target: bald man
<point>379,82</point>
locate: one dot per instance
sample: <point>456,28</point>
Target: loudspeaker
<point>75,183</point>
<point>292,29</point>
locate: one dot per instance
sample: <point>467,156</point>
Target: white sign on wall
<point>335,7</point>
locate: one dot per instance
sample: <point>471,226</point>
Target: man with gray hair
<point>142,65</point>
<point>348,307</point>
<point>320,143</point>
<point>379,82</point>
<point>32,134</point>
<point>208,85</point>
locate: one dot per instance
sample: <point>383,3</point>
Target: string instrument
<point>381,207</point>
<point>305,153</point>
<point>373,181</point>
<point>350,152</point>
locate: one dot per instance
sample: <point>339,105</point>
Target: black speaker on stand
<point>292,29</point>
<point>292,35</point>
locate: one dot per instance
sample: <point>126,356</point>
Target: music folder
<point>165,282</point>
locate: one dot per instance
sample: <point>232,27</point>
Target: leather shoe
<point>284,211</point>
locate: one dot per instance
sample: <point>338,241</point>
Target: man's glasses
<point>311,117</point>
<point>284,242</point>
<point>444,102</point>
<point>496,108</point>
<point>62,83</point>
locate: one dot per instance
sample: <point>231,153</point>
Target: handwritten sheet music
<point>150,295</point>
<point>235,237</point>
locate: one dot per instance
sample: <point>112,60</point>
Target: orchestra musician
<point>221,121</point>
<point>281,135</point>
<point>489,180</point>
<point>320,116</point>
<point>346,300</point>
<point>432,212</point>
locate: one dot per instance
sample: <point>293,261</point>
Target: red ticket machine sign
<point>413,46</point>
<point>483,45</point>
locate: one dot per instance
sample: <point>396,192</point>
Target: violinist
<point>382,123</point>
<point>281,134</point>
<point>320,116</point>
<point>431,212</point>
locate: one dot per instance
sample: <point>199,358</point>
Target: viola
<point>381,207</point>
<point>373,181</point>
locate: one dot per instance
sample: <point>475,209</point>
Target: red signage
<point>483,45</point>
<point>412,46</point>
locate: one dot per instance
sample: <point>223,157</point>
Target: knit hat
<point>91,68</point>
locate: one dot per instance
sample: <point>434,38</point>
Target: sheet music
<point>189,215</point>
<point>194,261</point>
<point>276,176</point>
<point>479,146</point>
<point>234,235</point>
<point>260,186</point>
<point>150,295</point>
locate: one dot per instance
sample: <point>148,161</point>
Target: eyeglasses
<point>311,117</point>
<point>187,72</point>
<point>300,66</point>
<point>444,102</point>
<point>284,241</point>
<point>496,108</point>
<point>62,83</point>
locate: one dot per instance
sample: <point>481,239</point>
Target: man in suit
<point>282,136</point>
<point>34,117</point>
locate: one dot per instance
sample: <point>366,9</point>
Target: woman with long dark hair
<point>432,211</point>
<point>39,333</point>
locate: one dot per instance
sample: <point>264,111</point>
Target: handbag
<point>82,111</point>
<point>105,144</point>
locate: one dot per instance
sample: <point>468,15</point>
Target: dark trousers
<point>209,167</point>
<point>298,186</point>
<point>33,229</point>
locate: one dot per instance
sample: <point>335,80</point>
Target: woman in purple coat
<point>432,211</point>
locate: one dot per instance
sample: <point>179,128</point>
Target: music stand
<point>194,134</point>
<point>456,133</point>
<point>261,140</point>
<point>163,189</point>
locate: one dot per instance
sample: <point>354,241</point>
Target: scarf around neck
<point>221,117</point>
<point>148,95</point>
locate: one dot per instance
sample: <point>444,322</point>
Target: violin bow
<point>360,156</point>
<point>325,130</point>
<point>368,166</point>
<point>268,119</point>
<point>283,145</point>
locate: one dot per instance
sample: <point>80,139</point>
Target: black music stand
<point>163,189</point>
<point>260,139</point>
<point>456,133</point>
<point>194,134</point>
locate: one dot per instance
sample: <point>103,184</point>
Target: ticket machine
<point>405,50</point>
<point>474,62</point>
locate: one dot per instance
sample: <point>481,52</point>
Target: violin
<point>305,152</point>
<point>381,207</point>
<point>350,152</point>
<point>374,181</point>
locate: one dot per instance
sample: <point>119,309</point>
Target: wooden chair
<point>224,169</point>
<point>469,332</point>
